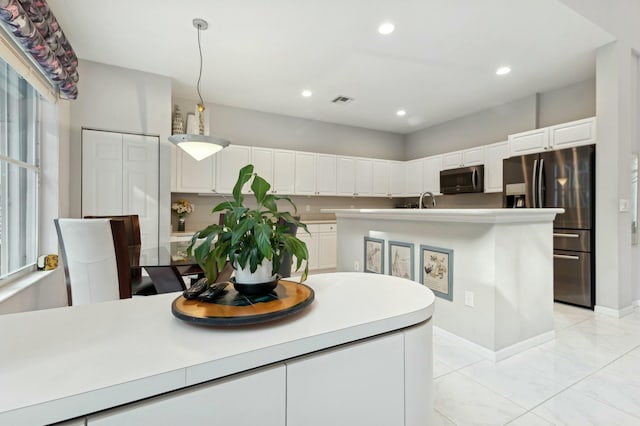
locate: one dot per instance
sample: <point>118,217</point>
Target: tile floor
<point>588,375</point>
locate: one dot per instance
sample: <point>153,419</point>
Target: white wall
<point>256,128</point>
<point>119,99</point>
<point>568,103</point>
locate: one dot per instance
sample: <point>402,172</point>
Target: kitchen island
<point>361,353</point>
<point>502,276</point>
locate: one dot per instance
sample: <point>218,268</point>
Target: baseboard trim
<point>615,313</point>
<point>503,353</point>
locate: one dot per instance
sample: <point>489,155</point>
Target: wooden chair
<point>141,285</point>
<point>95,263</point>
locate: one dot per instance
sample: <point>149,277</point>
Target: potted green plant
<point>254,240</point>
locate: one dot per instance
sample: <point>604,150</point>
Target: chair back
<point>93,270</point>
<point>286,261</point>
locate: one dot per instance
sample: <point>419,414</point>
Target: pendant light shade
<point>199,146</point>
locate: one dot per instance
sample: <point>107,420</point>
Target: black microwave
<point>463,180</point>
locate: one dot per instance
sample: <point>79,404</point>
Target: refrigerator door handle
<point>566,235</point>
<point>540,173</point>
<point>533,183</point>
<point>566,256</point>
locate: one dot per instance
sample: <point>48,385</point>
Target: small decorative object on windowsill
<point>255,241</point>
<point>177,127</point>
<point>182,208</point>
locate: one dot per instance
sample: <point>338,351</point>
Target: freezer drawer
<point>571,239</point>
<point>572,278</point>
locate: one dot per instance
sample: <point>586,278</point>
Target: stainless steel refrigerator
<point>566,179</point>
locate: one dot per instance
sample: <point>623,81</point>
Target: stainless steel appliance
<point>462,180</point>
<point>566,179</point>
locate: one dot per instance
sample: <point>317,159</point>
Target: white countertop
<point>62,363</point>
<point>451,215</point>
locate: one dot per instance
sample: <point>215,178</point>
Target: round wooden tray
<point>233,308</point>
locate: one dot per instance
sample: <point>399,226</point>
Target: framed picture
<point>373,255</point>
<point>436,270</point>
<point>401,259</point>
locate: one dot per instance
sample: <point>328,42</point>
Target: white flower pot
<point>260,276</point>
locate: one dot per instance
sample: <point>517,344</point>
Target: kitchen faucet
<point>433,199</point>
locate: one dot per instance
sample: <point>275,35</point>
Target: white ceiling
<point>439,64</point>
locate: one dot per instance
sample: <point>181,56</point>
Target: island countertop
<point>63,363</point>
<point>452,215</point>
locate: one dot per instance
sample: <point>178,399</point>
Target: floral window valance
<point>37,30</point>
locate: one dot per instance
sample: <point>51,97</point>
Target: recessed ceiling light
<point>401,113</point>
<point>386,28</point>
<point>503,71</point>
<point>306,93</point>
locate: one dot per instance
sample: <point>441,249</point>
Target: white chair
<point>93,269</point>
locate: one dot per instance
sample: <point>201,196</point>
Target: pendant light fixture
<point>199,146</point>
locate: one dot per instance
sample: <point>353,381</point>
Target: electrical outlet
<point>468,298</point>
<point>356,266</point>
<point>308,208</point>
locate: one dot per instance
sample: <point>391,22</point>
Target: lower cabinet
<point>321,245</point>
<point>358,384</point>
<point>223,402</point>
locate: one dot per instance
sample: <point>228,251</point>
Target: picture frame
<point>401,260</point>
<point>436,270</point>
<point>373,255</point>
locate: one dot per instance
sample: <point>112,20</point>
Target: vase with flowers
<point>182,208</point>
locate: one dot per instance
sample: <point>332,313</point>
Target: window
<point>19,171</point>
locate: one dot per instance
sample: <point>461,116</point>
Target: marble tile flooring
<point>588,375</point>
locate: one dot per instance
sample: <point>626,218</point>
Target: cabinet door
<point>346,172</point>
<point>415,173</point>
<point>364,176</point>
<point>262,160</point>
<point>193,175</point>
<point>432,168</point>
<point>229,161</point>
<point>305,176</point>
<point>312,247</point>
<point>212,403</point>
<point>140,183</point>
<point>381,172</point>
<point>101,173</point>
<point>369,375</point>
<point>327,250</point>
<point>529,142</point>
<point>398,178</point>
<point>326,174</point>
<point>493,156</point>
<point>452,160</point>
<point>473,157</point>
<point>284,163</point>
<point>575,133</point>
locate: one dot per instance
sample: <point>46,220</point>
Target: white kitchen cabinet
<point>373,370</point>
<point>493,155</point>
<point>305,175</point>
<point>381,178</point>
<point>265,391</point>
<point>229,161</point>
<point>529,142</point>
<point>575,133</point>
<point>431,172</point>
<point>321,244</point>
<point>195,176</point>
<point>364,177</point>
<point>415,177</point>
<point>262,160</point>
<point>397,178</point>
<point>346,175</point>
<point>326,174</point>
<point>284,170</point>
<point>465,158</point>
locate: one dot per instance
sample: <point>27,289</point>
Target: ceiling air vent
<point>342,100</point>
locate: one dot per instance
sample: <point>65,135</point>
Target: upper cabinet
<point>305,175</point>
<point>397,178</point>
<point>354,176</point>
<point>566,135</point>
<point>284,163</point>
<point>193,175</point>
<point>229,161</point>
<point>493,156</point>
<point>326,174</point>
<point>262,160</point>
<point>469,157</point>
<point>431,173</point>
<point>414,177</point>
